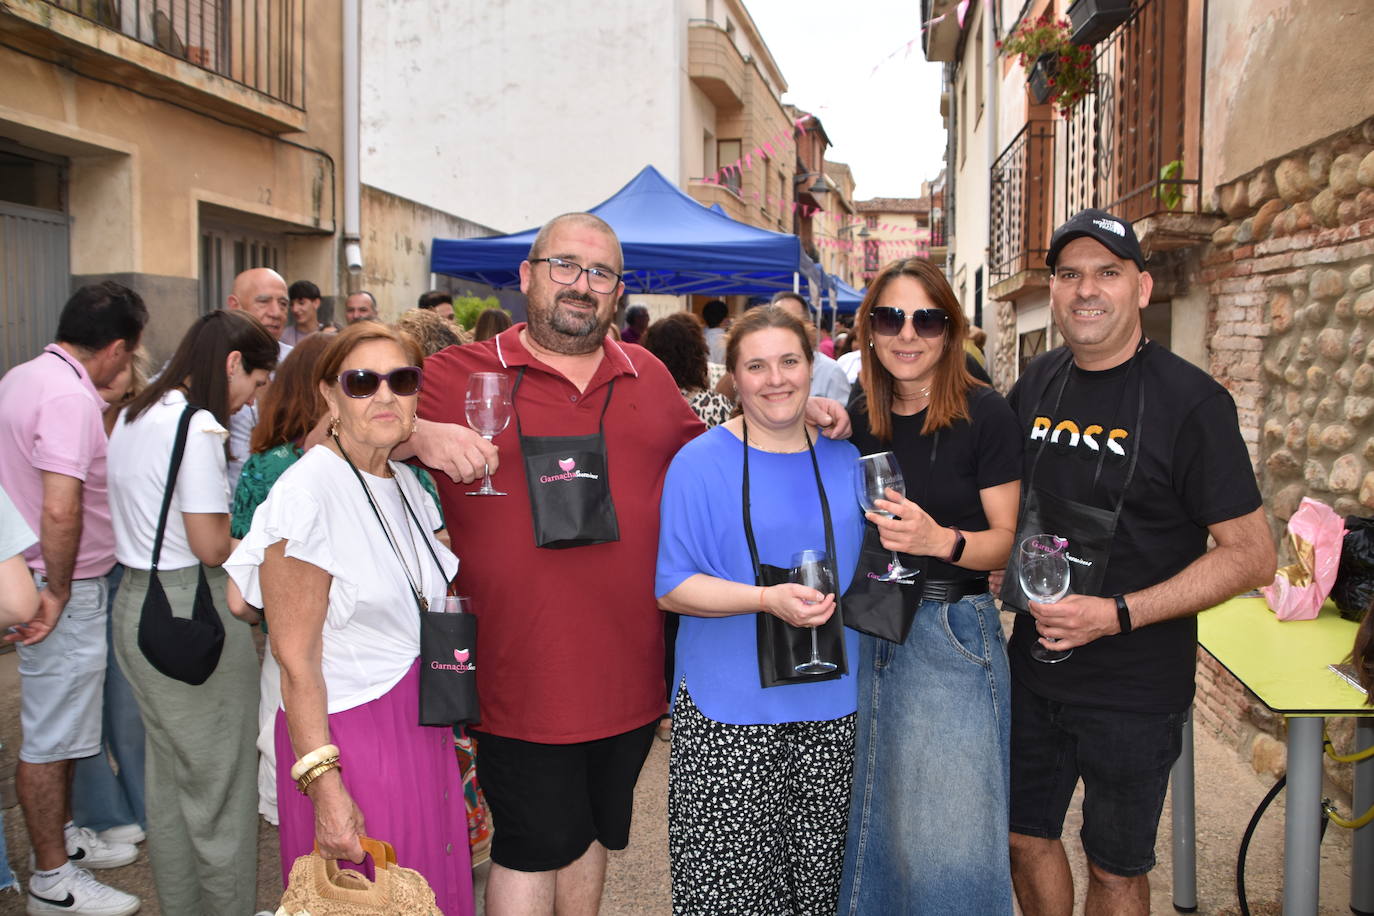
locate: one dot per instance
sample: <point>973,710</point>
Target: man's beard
<point>568,332</point>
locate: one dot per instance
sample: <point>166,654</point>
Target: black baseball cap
<point>1116,234</point>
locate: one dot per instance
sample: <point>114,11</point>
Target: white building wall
<point>511,113</point>
<point>971,164</point>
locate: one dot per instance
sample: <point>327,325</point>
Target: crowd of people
<point>666,479</point>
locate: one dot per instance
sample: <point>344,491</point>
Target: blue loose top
<point>702,531</point>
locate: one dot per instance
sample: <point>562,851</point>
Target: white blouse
<point>372,626</point>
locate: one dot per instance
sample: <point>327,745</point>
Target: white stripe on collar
<point>627,357</point>
<point>499,355</point>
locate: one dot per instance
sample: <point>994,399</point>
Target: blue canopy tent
<point>673,246</point>
<point>847,298</point>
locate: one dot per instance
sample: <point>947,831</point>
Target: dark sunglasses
<point>888,321</point>
<point>363,383</point>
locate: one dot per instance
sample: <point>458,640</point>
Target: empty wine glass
<point>875,475</point>
<point>810,568</point>
<point>1045,578</point>
<point>488,407</point>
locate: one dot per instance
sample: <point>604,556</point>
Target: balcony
<point>726,196</point>
<point>240,60</point>
<point>1134,145</point>
<point>1020,219</point>
<point>715,64</point>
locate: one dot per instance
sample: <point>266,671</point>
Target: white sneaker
<point>79,893</point>
<point>87,850</point>
<point>131,834</point>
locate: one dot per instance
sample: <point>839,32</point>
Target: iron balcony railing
<point>1022,193</point>
<point>258,43</point>
<point>1134,144</point>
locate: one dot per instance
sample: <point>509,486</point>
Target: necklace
<point>924,392</point>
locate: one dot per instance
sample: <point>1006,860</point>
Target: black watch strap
<point>1123,614</point>
<point>958,550</point>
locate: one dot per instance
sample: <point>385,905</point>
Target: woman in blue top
<point>759,778</point>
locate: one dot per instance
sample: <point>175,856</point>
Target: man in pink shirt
<point>52,464</point>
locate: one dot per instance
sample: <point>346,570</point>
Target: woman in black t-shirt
<point>928,819</point>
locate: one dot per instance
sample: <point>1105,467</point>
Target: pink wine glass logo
<point>461,655</point>
<point>567,464</point>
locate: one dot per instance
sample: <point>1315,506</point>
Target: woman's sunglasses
<point>363,383</point>
<point>888,321</point>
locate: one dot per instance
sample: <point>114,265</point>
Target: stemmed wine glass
<point>1045,579</point>
<point>810,568</point>
<point>875,475</point>
<point>488,408</point>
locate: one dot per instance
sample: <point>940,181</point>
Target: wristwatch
<point>958,550</point>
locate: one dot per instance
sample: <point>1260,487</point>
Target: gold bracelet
<point>324,752</point>
<point>315,772</point>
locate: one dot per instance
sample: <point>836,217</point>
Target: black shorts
<point>549,802</point>
<point>1124,760</point>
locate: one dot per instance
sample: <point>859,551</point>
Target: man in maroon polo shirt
<point>570,643</point>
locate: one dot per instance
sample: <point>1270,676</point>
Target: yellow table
<point>1285,664</point>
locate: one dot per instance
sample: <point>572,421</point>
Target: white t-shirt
<point>851,363</point>
<point>139,455</point>
<point>715,345</point>
<point>372,626</point>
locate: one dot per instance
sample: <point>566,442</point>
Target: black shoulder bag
<point>185,649</point>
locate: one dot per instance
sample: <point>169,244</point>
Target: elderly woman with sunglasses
<point>928,816</point>
<point>338,556</point>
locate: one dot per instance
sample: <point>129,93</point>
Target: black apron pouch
<point>448,669</point>
<point>570,492</point>
<point>882,609</point>
<point>569,484</point>
<point>1089,530</point>
<point>782,647</point>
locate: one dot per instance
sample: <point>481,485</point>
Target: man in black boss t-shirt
<point>1116,420</point>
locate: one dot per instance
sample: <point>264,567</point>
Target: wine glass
<point>810,568</point>
<point>488,408</point>
<point>1045,579</point>
<point>875,475</point>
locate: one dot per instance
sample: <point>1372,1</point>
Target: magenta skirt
<point>404,777</point>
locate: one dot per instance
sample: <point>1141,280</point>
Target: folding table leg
<point>1185,825</point>
<point>1302,817</point>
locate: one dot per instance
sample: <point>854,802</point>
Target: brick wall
<point>1291,276</point>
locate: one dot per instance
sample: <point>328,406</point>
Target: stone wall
<point>1291,276</point>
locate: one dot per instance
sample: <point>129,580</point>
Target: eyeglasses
<point>888,321</point>
<point>363,383</point>
<point>599,279</point>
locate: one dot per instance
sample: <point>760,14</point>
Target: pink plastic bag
<point>1315,533</point>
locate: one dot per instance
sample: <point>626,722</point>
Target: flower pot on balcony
<point>1094,20</point>
<point>1039,80</point>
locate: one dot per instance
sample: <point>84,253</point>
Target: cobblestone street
<point>637,881</point>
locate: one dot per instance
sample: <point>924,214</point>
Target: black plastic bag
<point>1354,588</point>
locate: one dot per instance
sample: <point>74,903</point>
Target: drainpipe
<point>991,81</point>
<point>353,249</point>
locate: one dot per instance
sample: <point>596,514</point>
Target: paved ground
<point>637,883</point>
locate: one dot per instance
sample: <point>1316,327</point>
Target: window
<point>871,221</point>
<point>1029,345</point>
<point>978,297</point>
<point>709,163</point>
<point>225,252</point>
<point>976,36</point>
<point>728,153</point>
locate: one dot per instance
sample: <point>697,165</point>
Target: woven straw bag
<point>319,887</point>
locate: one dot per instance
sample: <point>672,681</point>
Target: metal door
<point>35,279</point>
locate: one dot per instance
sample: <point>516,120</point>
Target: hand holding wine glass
<point>812,569</point>
<point>488,408</point>
<point>875,475</point>
<point>1045,578</point>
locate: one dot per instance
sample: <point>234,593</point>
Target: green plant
<point>1168,191</point>
<point>467,307</point>
<point>1070,66</point>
